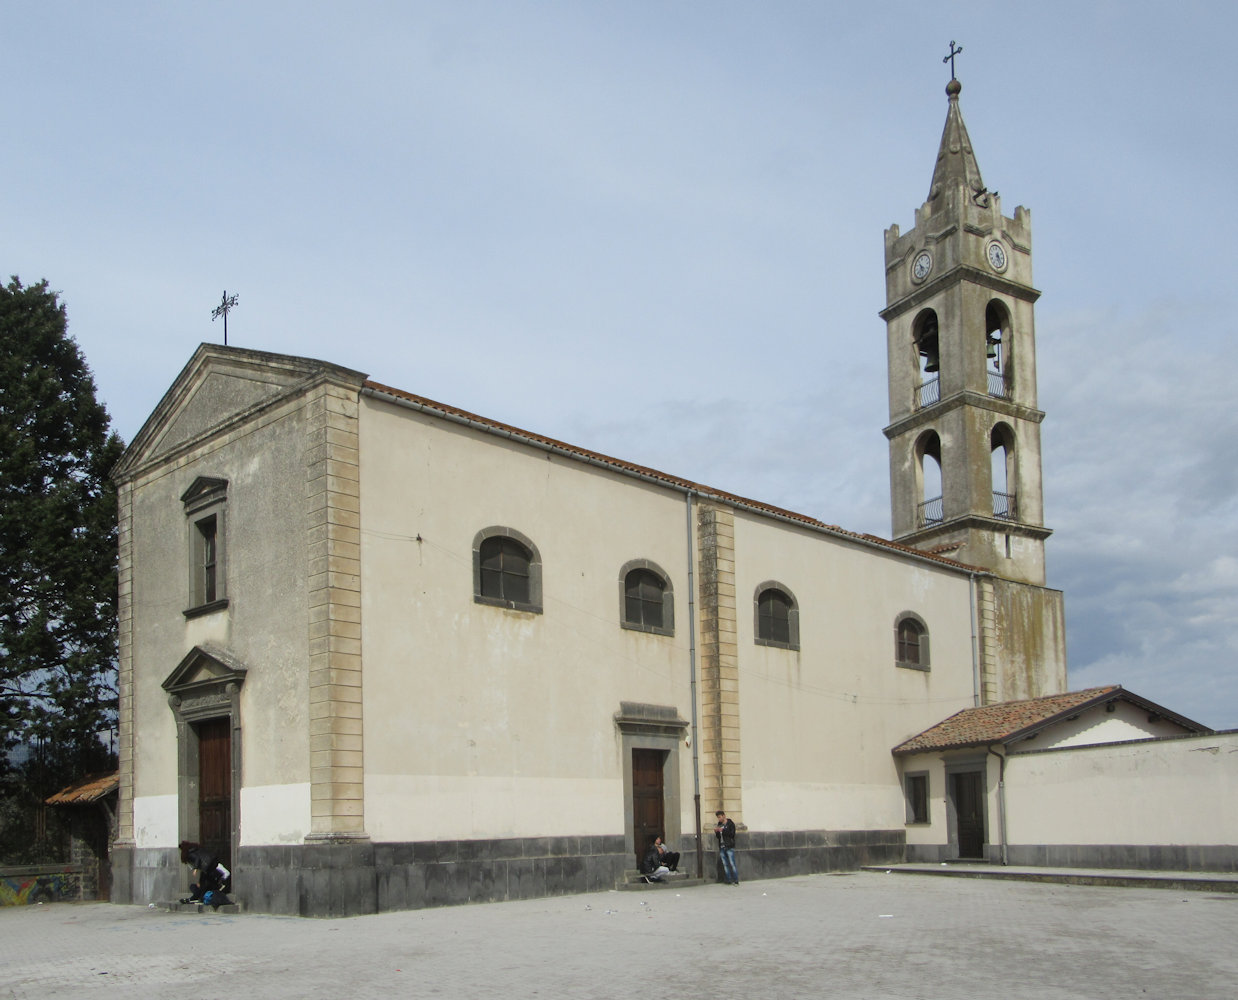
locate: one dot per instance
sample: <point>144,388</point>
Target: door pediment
<point>204,683</point>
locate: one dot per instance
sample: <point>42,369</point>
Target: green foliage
<point>31,832</point>
<point>57,541</point>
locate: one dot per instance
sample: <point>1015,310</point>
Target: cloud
<point>1141,486</point>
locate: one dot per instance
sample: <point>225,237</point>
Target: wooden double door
<point>648,799</point>
<point>215,787</point>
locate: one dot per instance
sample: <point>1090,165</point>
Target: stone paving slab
<point>861,935</point>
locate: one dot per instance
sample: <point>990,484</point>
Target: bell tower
<point>964,432</point>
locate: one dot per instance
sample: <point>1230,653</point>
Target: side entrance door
<point>215,787</point>
<point>968,794</point>
<point>648,813</point>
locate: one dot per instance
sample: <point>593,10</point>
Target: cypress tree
<point>57,546</point>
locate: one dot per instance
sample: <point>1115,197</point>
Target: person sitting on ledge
<point>653,868</point>
<point>669,858</point>
<point>210,879</point>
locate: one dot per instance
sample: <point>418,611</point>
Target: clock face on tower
<point>997,256</point>
<point>921,266</point>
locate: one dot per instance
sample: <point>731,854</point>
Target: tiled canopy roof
<point>86,790</point>
<point>1008,719</point>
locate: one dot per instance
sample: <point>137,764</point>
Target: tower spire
<point>964,431</point>
<point>956,162</point>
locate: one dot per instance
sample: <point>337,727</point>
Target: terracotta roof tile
<point>999,723</point>
<point>91,788</point>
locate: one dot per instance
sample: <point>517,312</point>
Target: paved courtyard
<point>864,935</point>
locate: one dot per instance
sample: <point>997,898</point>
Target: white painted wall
<point>482,721</point>
<point>485,722</point>
<point>154,820</point>
<point>264,627</point>
<point>1097,725</point>
<point>1175,791</point>
<point>275,814</point>
<point>817,724</point>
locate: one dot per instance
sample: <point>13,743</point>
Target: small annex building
<point>996,783</point>
<point>379,652</point>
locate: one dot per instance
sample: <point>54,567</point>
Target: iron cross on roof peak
<point>226,305</point>
<point>950,58</point>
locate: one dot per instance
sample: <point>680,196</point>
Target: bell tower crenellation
<point>964,430</point>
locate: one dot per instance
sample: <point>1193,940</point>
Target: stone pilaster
<point>986,634</point>
<point>124,678</point>
<point>333,500</point>
<point>719,661</point>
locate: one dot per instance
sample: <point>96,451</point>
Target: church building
<point>382,653</point>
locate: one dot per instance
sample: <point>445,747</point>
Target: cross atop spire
<point>956,163</point>
<point>950,58</point>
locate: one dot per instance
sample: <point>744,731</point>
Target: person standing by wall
<point>724,830</point>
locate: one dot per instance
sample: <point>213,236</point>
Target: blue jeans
<point>730,873</point>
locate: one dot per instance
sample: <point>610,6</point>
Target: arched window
<point>777,616</point>
<point>928,472</point>
<point>924,334</point>
<point>507,571</point>
<point>1001,467</point>
<point>646,599</point>
<point>911,641</point>
<point>997,348</point>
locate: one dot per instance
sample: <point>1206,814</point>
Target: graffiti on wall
<point>46,886</point>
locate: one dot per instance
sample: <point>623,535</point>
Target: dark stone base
<point>1141,857</point>
<point>147,875</point>
<point>120,858</point>
<point>353,877</point>
<point>1153,857</point>
<point>807,852</point>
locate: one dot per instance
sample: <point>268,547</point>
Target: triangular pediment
<point>204,668</point>
<point>218,388</point>
<point>204,488</point>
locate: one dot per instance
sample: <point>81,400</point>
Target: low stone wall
<point>777,854</point>
<point>345,878</point>
<point>1152,857</point>
<point>348,878</point>
<point>1155,857</point>
<point>24,885</point>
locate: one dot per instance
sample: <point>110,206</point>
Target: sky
<point>655,230</point>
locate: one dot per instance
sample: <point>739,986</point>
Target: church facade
<point>382,653</point>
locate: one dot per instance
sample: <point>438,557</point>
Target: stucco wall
<point>482,721</point>
<point>264,626</point>
<point>459,697</point>
<point>817,722</point>
<point>1100,725</point>
<point>1181,791</point>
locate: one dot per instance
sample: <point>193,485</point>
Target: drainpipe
<point>696,760</point>
<point>975,642</point>
<point>1001,801</point>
